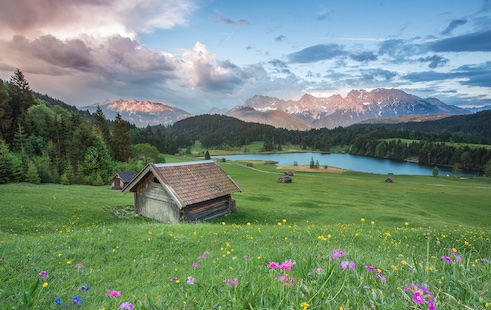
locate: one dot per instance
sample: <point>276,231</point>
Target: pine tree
<point>120,140</point>
<point>20,139</point>
<point>5,111</point>
<point>101,126</point>
<point>10,165</point>
<point>21,98</point>
<point>207,155</point>
<point>32,175</point>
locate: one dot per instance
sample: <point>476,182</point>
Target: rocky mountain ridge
<point>140,113</point>
<point>335,111</point>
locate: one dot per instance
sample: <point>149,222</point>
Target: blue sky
<point>201,54</point>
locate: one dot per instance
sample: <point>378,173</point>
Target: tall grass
<point>354,242</point>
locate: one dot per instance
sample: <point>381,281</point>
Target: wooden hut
<point>183,192</point>
<point>121,179</point>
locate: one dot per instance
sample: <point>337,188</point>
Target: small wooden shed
<point>121,179</point>
<point>183,192</point>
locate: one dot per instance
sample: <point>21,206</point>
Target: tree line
<point>43,140</point>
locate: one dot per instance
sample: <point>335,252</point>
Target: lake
<point>347,161</point>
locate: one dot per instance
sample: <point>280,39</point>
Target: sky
<point>202,54</point>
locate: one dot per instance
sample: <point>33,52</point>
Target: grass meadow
<point>326,241</point>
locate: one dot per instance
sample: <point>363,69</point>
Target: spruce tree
<point>21,98</point>
<point>32,175</point>
<point>10,165</point>
<point>120,140</point>
<point>100,123</point>
<point>5,111</point>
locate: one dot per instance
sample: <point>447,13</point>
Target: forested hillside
<point>45,140</point>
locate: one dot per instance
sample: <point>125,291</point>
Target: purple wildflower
<point>195,265</point>
<point>44,274</point>
<point>370,268</point>
<point>191,280</point>
<point>345,264</point>
<point>126,305</point>
<point>173,279</point>
<point>418,298</point>
<point>335,254</point>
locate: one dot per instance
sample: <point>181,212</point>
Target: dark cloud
<point>453,24</point>
<point>399,49</point>
<point>279,38</point>
<point>317,53</point>
<point>435,61</point>
<point>474,75</point>
<point>472,42</point>
<point>371,75</point>
<point>279,66</point>
<point>229,21</point>
<point>364,56</point>
<point>65,54</point>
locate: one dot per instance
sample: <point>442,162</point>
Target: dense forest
<point>44,140</point>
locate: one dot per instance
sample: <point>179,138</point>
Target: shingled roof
<point>189,183</point>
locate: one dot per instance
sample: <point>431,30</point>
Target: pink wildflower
<point>173,279</point>
<point>44,274</point>
<point>233,281</point>
<point>191,280</point>
<point>113,294</point>
<point>79,266</point>
<point>286,280</point>
<point>273,265</point>
<point>195,265</point>
<point>286,265</point>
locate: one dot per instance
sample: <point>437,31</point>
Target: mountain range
<point>140,113</point>
<point>335,111</point>
<point>303,114</point>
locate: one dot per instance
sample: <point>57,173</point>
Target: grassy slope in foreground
<point>59,227</point>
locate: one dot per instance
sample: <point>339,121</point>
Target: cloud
<point>435,61</point>
<point>453,24</point>
<point>474,75</point>
<point>472,42</point>
<point>399,49</point>
<point>364,56</point>
<point>323,14</point>
<point>202,69</point>
<point>69,18</point>
<point>374,75</point>
<point>317,53</point>
<point>279,38</point>
<point>228,21</point>
<point>73,54</point>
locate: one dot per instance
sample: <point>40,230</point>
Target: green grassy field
<point>417,243</point>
